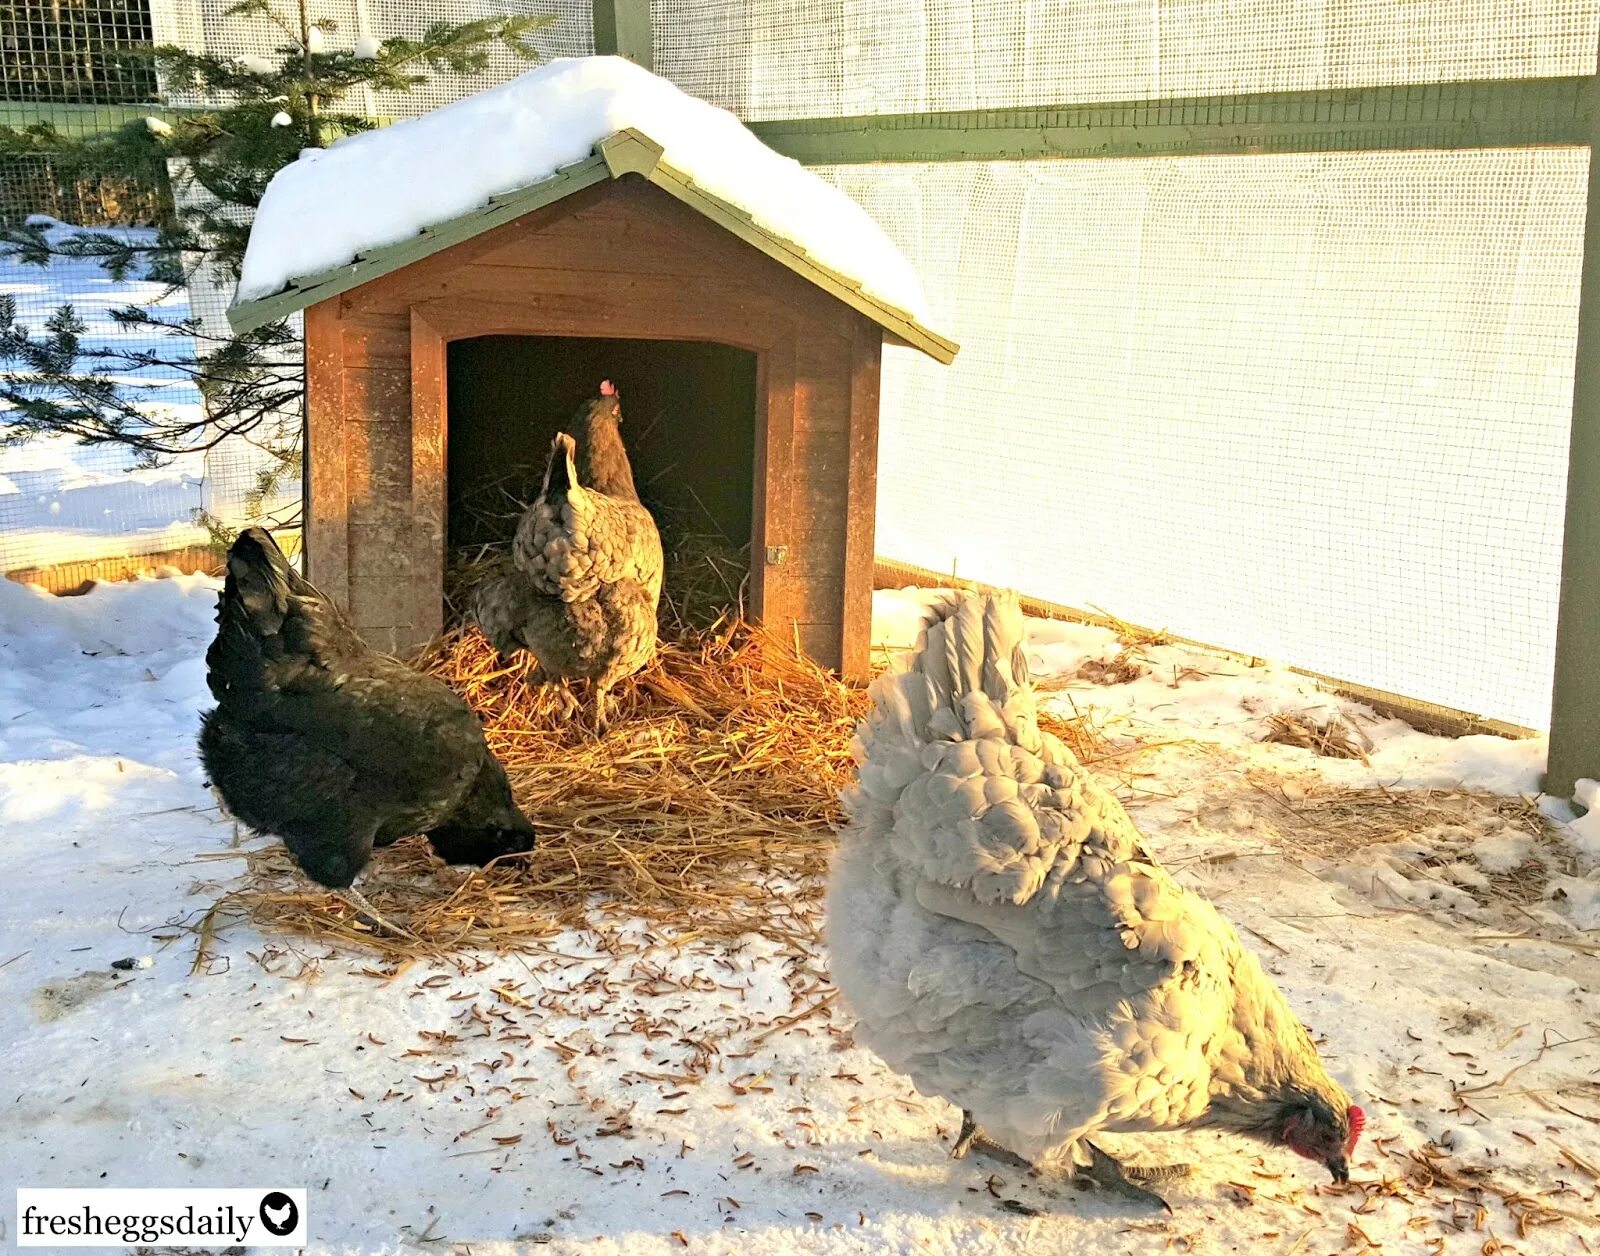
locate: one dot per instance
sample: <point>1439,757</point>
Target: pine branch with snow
<point>261,111</point>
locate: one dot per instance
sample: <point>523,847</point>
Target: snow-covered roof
<point>446,174</point>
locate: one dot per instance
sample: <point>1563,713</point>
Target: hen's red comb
<point>607,388</point>
<point>1358,1121</point>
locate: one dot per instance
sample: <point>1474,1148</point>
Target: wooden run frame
<point>1575,707</point>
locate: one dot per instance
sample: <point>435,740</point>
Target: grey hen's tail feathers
<point>971,643</point>
<point>560,474</point>
<point>967,677</point>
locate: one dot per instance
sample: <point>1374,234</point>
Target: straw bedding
<point>708,807</point>
<point>710,804</point>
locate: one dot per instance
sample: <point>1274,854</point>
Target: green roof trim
<point>245,316</point>
<point>626,152</point>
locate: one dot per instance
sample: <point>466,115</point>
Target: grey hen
<point>581,589</point>
<point>1009,941</point>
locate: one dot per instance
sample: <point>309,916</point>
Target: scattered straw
<point>1120,670</point>
<point>1442,824</point>
<point>1330,735</point>
<point>709,805</point>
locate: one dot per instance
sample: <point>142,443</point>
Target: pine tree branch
<point>57,381</point>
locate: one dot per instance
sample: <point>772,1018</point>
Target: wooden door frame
<point>436,323</point>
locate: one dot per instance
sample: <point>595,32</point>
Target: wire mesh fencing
<point>1310,406</point>
<point>209,26</point>
<point>1252,401</point>
<point>786,60</point>
<point>68,505</point>
<point>38,183</point>
<point>769,59</point>
<point>66,51</point>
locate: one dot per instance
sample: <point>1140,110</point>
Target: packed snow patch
<point>385,186</point>
<point>1585,830</point>
<point>1578,898</point>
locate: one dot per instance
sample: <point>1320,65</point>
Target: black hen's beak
<point>1340,1168</point>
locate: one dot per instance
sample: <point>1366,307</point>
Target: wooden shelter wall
<point>621,260</point>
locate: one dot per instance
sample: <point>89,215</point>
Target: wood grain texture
<point>861,495</point>
<point>327,541</point>
<point>619,261</point>
<point>773,522</point>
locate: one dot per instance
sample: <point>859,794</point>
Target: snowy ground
<point>621,1094</point>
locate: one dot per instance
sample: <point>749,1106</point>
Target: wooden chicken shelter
<point>748,372</point>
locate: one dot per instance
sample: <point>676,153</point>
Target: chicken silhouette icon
<point>279,1214</point>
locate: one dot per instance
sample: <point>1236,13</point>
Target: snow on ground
<point>628,1091</point>
<point>364,191</point>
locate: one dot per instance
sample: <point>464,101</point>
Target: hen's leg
<point>971,1137</point>
<point>602,700</point>
<point>969,1131</point>
<point>1105,1171</point>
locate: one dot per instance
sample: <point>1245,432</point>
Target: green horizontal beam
<point>80,120</point>
<point>1511,113</point>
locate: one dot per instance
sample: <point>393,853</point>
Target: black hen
<point>333,747</point>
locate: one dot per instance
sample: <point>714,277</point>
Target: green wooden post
<point>1575,708</point>
<point>622,28</point>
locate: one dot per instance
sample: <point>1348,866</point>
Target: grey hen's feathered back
<point>1007,940</point>
<point>587,527</point>
<point>581,590</point>
<point>332,747</point>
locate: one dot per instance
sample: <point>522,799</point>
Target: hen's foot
<point>972,1138</point>
<point>372,916</point>
<point>567,701</point>
<point>963,1143</point>
<point>1106,1171</point>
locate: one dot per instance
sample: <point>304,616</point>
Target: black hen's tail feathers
<point>268,618</point>
<point>259,582</point>
<point>251,611</point>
